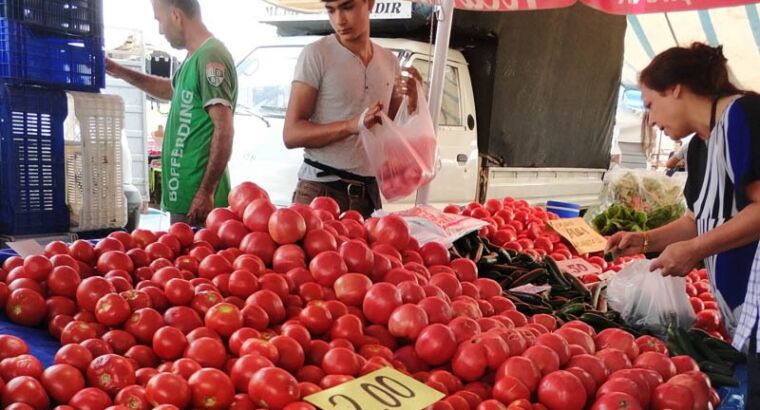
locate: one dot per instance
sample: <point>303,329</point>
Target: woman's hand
<point>626,244</point>
<point>677,259</point>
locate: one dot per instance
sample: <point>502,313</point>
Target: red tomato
<point>578,337</point>
<point>286,226</point>
<point>244,368</point>
<point>259,244</point>
<point>326,204</point>
<point>75,355</point>
<point>614,359</point>
<point>341,360</point>
<point>273,388</point>
<point>62,381</point>
<point>271,303</point>
<point>593,365</point>
<point>407,321</point>
<point>37,267</point>
<point>357,256</point>
<point>562,390</point>
<point>545,359</point>
<point>90,398</point>
<point>208,352</point>
<point>12,346</point>
<point>316,318</point>
<point>143,324</point>
<point>436,344</point>
<point>616,401</point>
<point>211,389</point>
<point>183,318</point>
<point>169,343</point>
<point>658,362</point>
<point>684,364</point>
<point>257,213</point>
<point>585,378</point>
<point>63,281</point>
<point>556,343</point>
<point>132,397</point>
<point>22,365</point>
<point>224,318</point>
<point>651,344</point>
<point>28,390</point>
<point>110,373</point>
<point>26,307</point>
<point>112,310</point>
<point>291,353</point>
<point>618,339</point>
<point>708,319</point>
<point>672,396</point>
<point>380,301</point>
<point>392,230</point>
<point>168,388</point>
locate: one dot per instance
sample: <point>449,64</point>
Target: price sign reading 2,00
<point>384,389</point>
<point>382,392</point>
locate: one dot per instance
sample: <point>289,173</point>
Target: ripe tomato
<point>184,318</point>
<point>618,339</point>
<point>132,397</point>
<point>672,396</point>
<point>341,360</point>
<point>562,390</point>
<point>616,401</point>
<point>169,343</point>
<point>684,364</point>
<point>110,373</point>
<point>211,389</point>
<point>143,324</point>
<point>380,301</point>
<point>91,290</point>
<point>62,381</point>
<point>168,388</point>
<point>286,226</point>
<point>26,307</point>
<point>12,346</point>
<point>291,353</point>
<point>208,352</point>
<point>436,344</point>
<point>259,244</point>
<point>37,267</point>
<point>508,389</point>
<point>22,365</point>
<point>407,321</point>
<point>708,319</point>
<point>434,253</point>
<point>112,309</point>
<point>578,337</point>
<point>593,365</point>
<point>658,362</point>
<point>614,359</point>
<point>25,389</point>
<point>271,303</point>
<point>620,384</point>
<point>392,230</point>
<point>648,343</point>
<point>224,318</point>
<point>244,368</point>
<point>558,344</point>
<point>90,398</point>
<point>273,388</point>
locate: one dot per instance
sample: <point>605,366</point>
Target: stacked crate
<point>54,143</point>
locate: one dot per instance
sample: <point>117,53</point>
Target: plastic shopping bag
<point>649,300</point>
<point>402,153</point>
<point>427,224</point>
<point>637,200</point>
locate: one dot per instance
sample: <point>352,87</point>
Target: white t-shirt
<point>345,88</point>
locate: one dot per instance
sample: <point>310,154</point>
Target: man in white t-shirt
<point>337,79</point>
<point>677,160</point>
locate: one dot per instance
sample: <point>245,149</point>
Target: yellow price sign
<point>383,389</point>
<point>583,238</point>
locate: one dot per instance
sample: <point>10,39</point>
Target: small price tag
<point>383,389</point>
<point>583,238</point>
<point>578,267</point>
<point>27,248</point>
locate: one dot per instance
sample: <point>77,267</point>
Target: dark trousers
<point>364,198</point>
<point>753,374</point>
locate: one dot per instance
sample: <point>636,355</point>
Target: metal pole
<point>440,56</point>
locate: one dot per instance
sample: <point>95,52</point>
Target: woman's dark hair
<point>701,68</point>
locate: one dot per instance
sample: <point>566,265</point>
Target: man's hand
<point>202,204</point>
<point>677,259</point>
<point>406,86</point>
<point>371,117</point>
<point>113,68</point>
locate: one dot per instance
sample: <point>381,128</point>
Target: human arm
<point>673,162</point>
<point>679,258</point>
<point>301,132</point>
<point>632,243</point>
<point>219,156</point>
<point>157,87</point>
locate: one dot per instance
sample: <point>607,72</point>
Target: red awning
<point>607,6</point>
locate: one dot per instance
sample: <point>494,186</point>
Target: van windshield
<point>264,78</point>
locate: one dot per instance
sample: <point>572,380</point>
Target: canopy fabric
<point>736,28</point>
<point>607,6</point>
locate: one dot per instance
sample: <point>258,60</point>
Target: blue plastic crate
<point>71,17</point>
<point>29,56</point>
<point>32,171</point>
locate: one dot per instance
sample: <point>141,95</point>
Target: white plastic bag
<point>402,153</point>
<point>649,300</point>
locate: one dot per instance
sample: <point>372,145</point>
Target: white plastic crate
<point>94,182</point>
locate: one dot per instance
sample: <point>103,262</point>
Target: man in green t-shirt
<point>199,129</point>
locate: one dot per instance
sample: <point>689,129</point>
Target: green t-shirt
<point>206,78</point>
